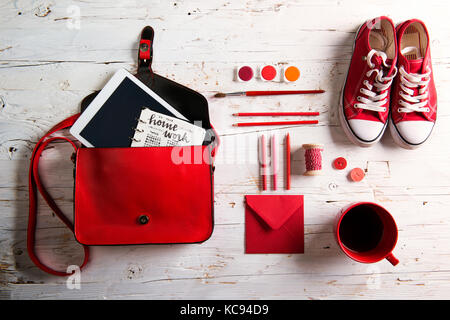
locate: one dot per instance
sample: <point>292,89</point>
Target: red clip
<point>145,47</point>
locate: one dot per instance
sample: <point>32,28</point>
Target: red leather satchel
<point>148,195</point>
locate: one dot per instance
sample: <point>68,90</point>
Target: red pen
<point>288,162</point>
<point>263,161</point>
<point>274,161</point>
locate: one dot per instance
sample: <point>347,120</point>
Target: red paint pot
<point>268,73</point>
<point>366,232</point>
<point>245,73</point>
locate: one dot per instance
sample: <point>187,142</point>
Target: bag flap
<point>275,210</point>
<point>168,187</point>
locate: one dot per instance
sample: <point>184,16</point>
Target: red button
<point>357,174</point>
<point>340,163</point>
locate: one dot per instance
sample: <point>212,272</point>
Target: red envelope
<point>274,224</point>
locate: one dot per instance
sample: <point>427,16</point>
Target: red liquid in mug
<point>361,229</point>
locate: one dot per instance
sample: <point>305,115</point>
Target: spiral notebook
<point>155,129</point>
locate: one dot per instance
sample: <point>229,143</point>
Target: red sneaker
<point>365,98</point>
<point>414,101</point>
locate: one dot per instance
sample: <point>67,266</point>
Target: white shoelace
<point>375,100</point>
<point>409,81</point>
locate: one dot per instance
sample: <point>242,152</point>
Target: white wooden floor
<point>53,54</point>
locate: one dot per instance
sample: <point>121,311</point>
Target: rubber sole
<point>401,142</point>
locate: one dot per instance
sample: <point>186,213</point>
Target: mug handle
<point>393,260</point>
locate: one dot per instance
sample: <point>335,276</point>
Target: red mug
<point>366,232</point>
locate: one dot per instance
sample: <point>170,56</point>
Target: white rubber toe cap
<point>366,130</point>
<point>414,132</point>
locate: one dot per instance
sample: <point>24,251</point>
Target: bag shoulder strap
<point>35,185</point>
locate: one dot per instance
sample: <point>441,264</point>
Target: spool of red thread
<point>313,159</point>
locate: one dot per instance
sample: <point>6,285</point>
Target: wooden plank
<point>48,64</point>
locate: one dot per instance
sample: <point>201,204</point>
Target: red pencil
<point>279,123</point>
<point>275,114</point>
<point>288,162</point>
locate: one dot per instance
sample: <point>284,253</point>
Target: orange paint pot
<point>291,73</point>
